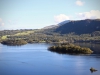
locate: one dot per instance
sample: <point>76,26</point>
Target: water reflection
<point>93,70</point>
<point>94,47</point>
<point>35,59</point>
<point>0,48</point>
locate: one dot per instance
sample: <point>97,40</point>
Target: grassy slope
<point>17,34</point>
<point>4,37</point>
<point>24,33</point>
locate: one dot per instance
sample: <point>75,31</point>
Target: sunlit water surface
<point>35,59</point>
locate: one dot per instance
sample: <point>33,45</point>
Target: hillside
<point>63,22</point>
<point>51,26</point>
<point>85,31</point>
<point>79,27</point>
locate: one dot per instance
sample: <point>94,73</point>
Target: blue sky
<point>36,14</point>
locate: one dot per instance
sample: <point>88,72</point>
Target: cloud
<point>79,3</point>
<point>93,14</point>
<point>1,22</point>
<point>60,18</point>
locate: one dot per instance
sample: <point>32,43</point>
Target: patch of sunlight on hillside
<point>24,33</point>
<point>4,37</point>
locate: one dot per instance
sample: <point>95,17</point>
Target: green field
<point>4,37</point>
<point>24,33</point>
<point>17,34</point>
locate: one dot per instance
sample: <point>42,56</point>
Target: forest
<point>48,36</point>
<point>70,48</point>
<point>71,32</point>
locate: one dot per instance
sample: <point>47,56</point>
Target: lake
<point>35,59</point>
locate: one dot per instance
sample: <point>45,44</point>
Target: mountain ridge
<point>79,26</point>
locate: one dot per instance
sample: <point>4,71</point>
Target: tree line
<point>48,36</point>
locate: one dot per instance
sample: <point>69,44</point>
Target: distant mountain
<point>79,26</point>
<point>64,22</point>
<point>51,26</point>
<point>55,26</point>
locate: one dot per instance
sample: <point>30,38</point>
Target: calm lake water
<point>35,59</point>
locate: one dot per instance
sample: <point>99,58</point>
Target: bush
<point>70,48</point>
<point>14,42</point>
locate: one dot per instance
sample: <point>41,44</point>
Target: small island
<point>14,42</point>
<point>93,70</point>
<point>70,48</point>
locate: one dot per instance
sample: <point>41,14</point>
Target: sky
<point>36,14</point>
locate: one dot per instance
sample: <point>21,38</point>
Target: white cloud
<point>2,24</point>
<point>60,18</point>
<point>93,14</point>
<point>79,3</point>
<point>0,20</point>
